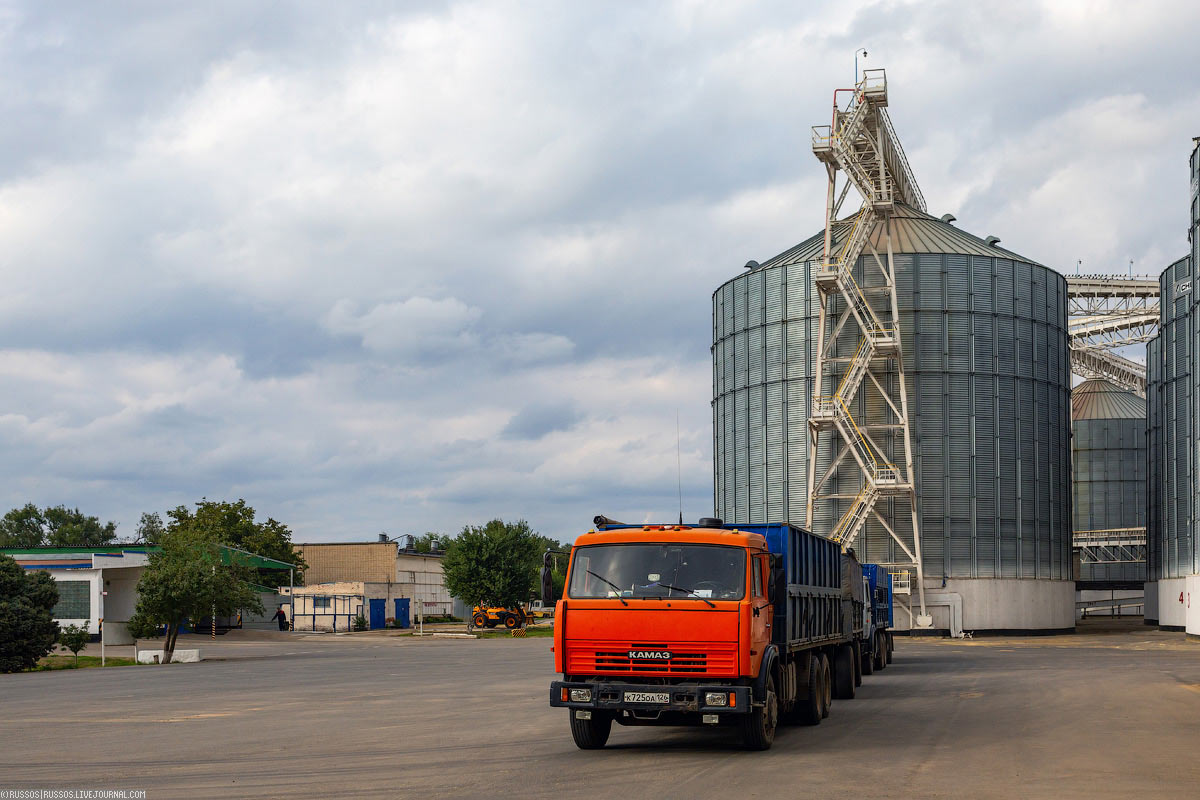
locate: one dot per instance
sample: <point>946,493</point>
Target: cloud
<point>417,327</point>
<point>408,268</point>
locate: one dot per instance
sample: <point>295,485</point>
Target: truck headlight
<point>716,699</point>
<point>581,695</point>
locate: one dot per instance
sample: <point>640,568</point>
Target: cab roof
<point>674,534</point>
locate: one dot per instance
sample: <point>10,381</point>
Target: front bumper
<point>685,697</point>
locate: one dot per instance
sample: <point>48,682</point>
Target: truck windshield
<point>711,572</point>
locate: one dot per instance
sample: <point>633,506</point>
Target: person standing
<point>281,617</point>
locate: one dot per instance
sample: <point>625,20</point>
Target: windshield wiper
<point>689,593</point>
<point>613,585</point>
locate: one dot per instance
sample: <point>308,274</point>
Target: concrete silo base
<point>1172,604</point>
<point>996,606</point>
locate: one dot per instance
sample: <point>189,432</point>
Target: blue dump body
<point>812,583</point>
<point>880,582</point>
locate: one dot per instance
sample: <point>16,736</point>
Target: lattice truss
<point>1107,313</point>
<point>861,145</point>
<point>1117,546</point>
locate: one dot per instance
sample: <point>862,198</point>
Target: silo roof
<point>1099,399</point>
<point>913,231</point>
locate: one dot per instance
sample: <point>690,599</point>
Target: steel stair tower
<point>861,144</point>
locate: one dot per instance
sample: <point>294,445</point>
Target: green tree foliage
<point>74,638</point>
<point>54,526</point>
<point>234,524</point>
<point>424,542</point>
<point>187,580</point>
<point>23,527</point>
<point>150,528</point>
<point>494,565</point>
<point>27,628</point>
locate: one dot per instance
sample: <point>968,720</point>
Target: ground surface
<point>1114,712</point>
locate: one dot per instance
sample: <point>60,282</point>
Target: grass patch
<point>539,632</point>
<point>85,662</point>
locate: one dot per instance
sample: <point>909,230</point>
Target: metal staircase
<point>861,143</point>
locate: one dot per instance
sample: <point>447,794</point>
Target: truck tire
<point>827,686</point>
<point>758,727</point>
<point>891,645</point>
<point>806,710</point>
<point>858,663</point>
<point>868,659</point>
<point>511,621</point>
<point>479,620</point>
<point>880,652</point>
<point>843,672</point>
<point>591,734</point>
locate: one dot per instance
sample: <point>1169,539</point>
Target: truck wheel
<point>858,663</point>
<point>867,661</point>
<point>591,734</point>
<point>758,727</point>
<point>891,645</point>
<point>479,620</point>
<point>843,672</point>
<point>806,710</point>
<point>510,621</point>
<point>880,651</point>
<point>827,686</point>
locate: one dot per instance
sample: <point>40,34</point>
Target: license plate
<point>647,697</point>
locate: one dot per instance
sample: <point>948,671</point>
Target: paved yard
<point>1102,714</point>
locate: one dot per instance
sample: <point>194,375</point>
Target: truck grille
<point>687,658</point>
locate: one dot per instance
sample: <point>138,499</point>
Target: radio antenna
<point>678,468</point>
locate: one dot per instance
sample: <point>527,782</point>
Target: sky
<point>405,267</point>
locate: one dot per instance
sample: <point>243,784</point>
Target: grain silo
<point>1108,463</point>
<point>1154,480</point>
<point>985,355</point>
<point>1173,555</point>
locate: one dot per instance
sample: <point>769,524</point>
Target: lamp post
<point>863,51</point>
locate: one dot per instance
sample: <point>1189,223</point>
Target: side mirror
<point>777,584</point>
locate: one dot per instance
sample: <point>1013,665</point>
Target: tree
<point>27,626</point>
<point>424,542</point>
<point>187,579</point>
<point>23,527</point>
<point>74,638</point>
<point>54,526</point>
<point>233,524</point>
<point>150,528</point>
<point>493,565</point>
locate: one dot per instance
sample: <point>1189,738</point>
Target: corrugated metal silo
<point>1108,461</point>
<point>985,349</point>
<point>1154,478</point>
<point>1175,556</point>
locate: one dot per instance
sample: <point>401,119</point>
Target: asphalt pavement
<point>1110,713</point>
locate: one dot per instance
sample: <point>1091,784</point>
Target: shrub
<point>27,628</point>
<point>360,623</point>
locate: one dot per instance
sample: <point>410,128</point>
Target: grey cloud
<point>538,420</point>
<point>318,255</point>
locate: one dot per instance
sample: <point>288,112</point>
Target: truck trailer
<point>726,625</point>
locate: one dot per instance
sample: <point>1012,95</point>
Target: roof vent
<point>948,218</point>
<point>751,265</point>
<point>992,241</point>
<point>710,522</point>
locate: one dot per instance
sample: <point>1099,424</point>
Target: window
<point>320,602</point>
<point>657,571</point>
<point>74,600</point>
<point>756,575</point>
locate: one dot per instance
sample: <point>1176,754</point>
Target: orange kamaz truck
<point>746,626</point>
